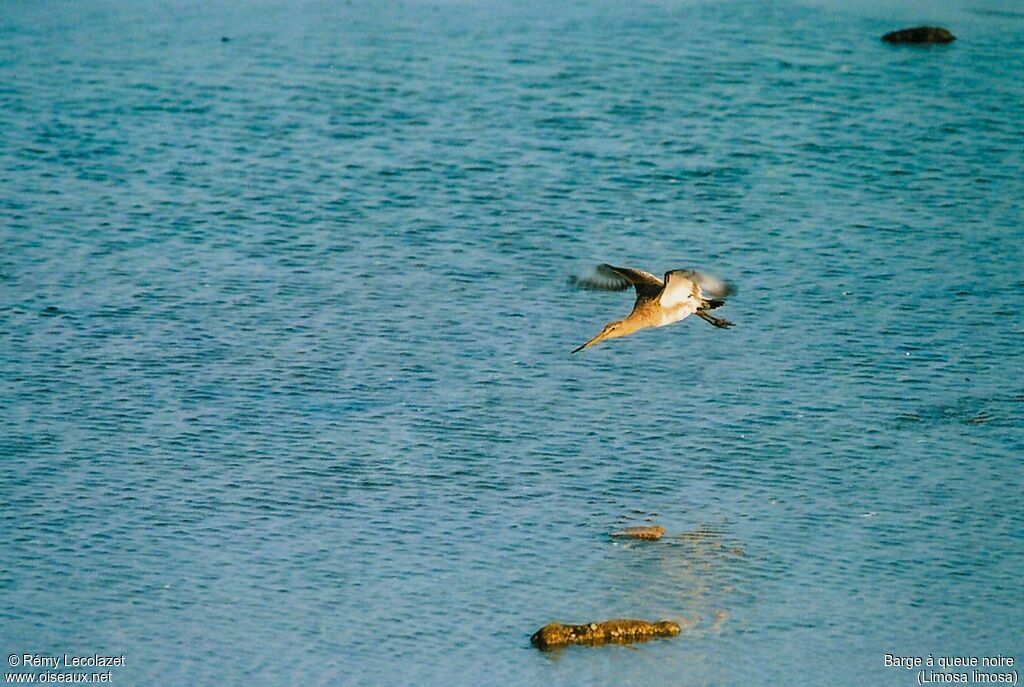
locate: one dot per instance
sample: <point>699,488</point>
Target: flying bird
<point>659,302</point>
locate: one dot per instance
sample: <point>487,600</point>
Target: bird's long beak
<point>590,343</point>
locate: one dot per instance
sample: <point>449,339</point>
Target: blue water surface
<point>285,387</point>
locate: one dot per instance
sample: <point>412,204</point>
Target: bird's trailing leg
<point>719,322</point>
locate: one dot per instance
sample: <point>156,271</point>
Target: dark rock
<point>650,532</point>
<point>556,635</point>
<point>920,34</point>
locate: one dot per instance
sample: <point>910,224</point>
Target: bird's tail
<point>719,322</point>
<point>712,303</point>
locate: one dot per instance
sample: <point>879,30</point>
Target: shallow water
<point>284,376</point>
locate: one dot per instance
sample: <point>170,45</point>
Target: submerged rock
<point>920,34</point>
<point>609,632</point>
<point>649,532</point>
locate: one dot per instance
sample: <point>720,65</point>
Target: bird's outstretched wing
<point>608,278</point>
<point>681,285</point>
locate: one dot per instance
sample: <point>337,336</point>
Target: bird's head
<point>612,330</point>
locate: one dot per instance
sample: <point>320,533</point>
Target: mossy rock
<point>920,34</point>
<point>622,631</point>
<point>648,532</point>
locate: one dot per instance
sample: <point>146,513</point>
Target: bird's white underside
<point>678,312</point>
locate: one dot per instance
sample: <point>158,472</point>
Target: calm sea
<point>285,387</point>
